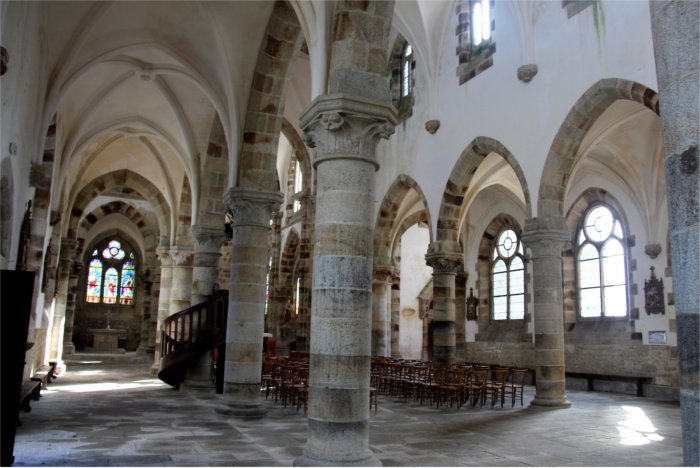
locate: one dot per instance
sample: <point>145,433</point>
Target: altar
<point>106,340</point>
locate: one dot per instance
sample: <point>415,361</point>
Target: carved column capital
<point>347,127</point>
<point>68,248</point>
<point>181,256</point>
<point>444,256</point>
<point>252,207</point>
<point>545,236</point>
<point>207,238</point>
<point>163,254</point>
<point>383,273</point>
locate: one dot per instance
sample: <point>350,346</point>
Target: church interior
<point>210,185</point>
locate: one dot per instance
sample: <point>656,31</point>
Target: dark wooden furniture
<point>639,381</point>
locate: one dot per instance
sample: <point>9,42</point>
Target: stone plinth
<point>106,340</point>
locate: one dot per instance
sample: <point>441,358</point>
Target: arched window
<point>601,265</point>
<point>111,279</point>
<point>475,47</point>
<point>267,286</point>
<point>402,63</point>
<point>297,296</point>
<point>508,277</point>
<point>297,186</point>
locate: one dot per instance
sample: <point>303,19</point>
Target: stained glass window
<point>297,296</point>
<point>111,280</point>
<point>94,281</point>
<point>601,265</point>
<point>126,291</point>
<point>508,277</point>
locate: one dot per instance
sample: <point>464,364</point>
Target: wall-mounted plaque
<point>657,337</point>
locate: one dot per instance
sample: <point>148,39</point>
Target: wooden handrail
<point>191,332</point>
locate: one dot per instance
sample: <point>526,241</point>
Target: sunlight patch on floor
<point>637,428</point>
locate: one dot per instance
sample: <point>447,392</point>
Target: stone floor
<point>100,413</point>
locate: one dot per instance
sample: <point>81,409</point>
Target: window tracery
<point>111,279</point>
<point>601,265</point>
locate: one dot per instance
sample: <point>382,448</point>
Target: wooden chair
<point>515,387</point>
<point>494,389</point>
<point>450,390</point>
<point>476,388</point>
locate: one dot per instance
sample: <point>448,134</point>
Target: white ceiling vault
<point>136,85</point>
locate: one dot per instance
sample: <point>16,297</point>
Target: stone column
<point>166,277</point>
<point>381,315</point>
<point>395,318</point>
<point>277,296</point>
<point>303,320</point>
<point>444,257</point>
<point>546,245</point>
<point>252,210</point>
<point>146,274</point>
<point>346,130</point>
<point>205,274</point>
<point>461,314</point>
<point>674,27</point>
<point>75,269</point>
<point>65,260</point>
<point>181,285</point>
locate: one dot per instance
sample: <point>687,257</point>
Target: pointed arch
<point>564,150</point>
<point>282,41</point>
<point>448,223</point>
<point>388,225</point>
<point>123,177</point>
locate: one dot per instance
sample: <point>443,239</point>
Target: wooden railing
<point>189,333</point>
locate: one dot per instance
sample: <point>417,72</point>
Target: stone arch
<point>289,257</point>
<point>283,39</point>
<point>211,201</point>
<point>562,154</point>
<point>448,224</point>
<point>386,230</point>
<point>184,216</point>
<point>149,233</point>
<point>302,155</point>
<point>118,178</point>
<point>408,221</point>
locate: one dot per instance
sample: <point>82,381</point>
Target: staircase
<point>189,333</point>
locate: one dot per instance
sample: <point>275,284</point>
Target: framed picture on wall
<point>657,337</point>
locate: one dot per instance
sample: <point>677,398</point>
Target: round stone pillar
<point>444,257</point>
<point>346,130</point>
<point>181,285</point>
<point>675,30</point>
<point>461,315</point>
<point>252,210</point>
<point>65,260</point>
<point>205,274</point>
<point>166,277</point>
<point>75,269</point>
<point>546,246</point>
<point>381,315</point>
<point>395,318</point>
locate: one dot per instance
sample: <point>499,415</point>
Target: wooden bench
<point>591,376</point>
<point>31,390</point>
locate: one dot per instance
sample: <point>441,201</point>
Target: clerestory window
<point>601,265</point>
<point>475,46</point>
<point>401,77</point>
<point>508,277</point>
<point>111,275</point>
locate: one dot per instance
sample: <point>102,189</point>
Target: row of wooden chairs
<point>449,385</point>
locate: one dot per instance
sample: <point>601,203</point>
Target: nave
<point>114,413</point>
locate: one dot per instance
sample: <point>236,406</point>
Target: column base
<point>69,349</point>
<point>550,403</point>
<point>364,459</point>
<point>155,368</point>
<point>242,411</point>
<point>198,386</point>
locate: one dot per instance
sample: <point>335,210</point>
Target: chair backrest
<point>518,378</point>
<point>499,376</point>
<point>479,376</point>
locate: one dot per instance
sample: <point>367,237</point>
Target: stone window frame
<point>129,257</point>
<point>473,59</point>
<point>624,241</point>
<point>293,206</point>
<point>520,253</point>
<point>399,61</point>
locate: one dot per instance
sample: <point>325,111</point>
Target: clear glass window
<point>508,277</point>
<point>601,265</point>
